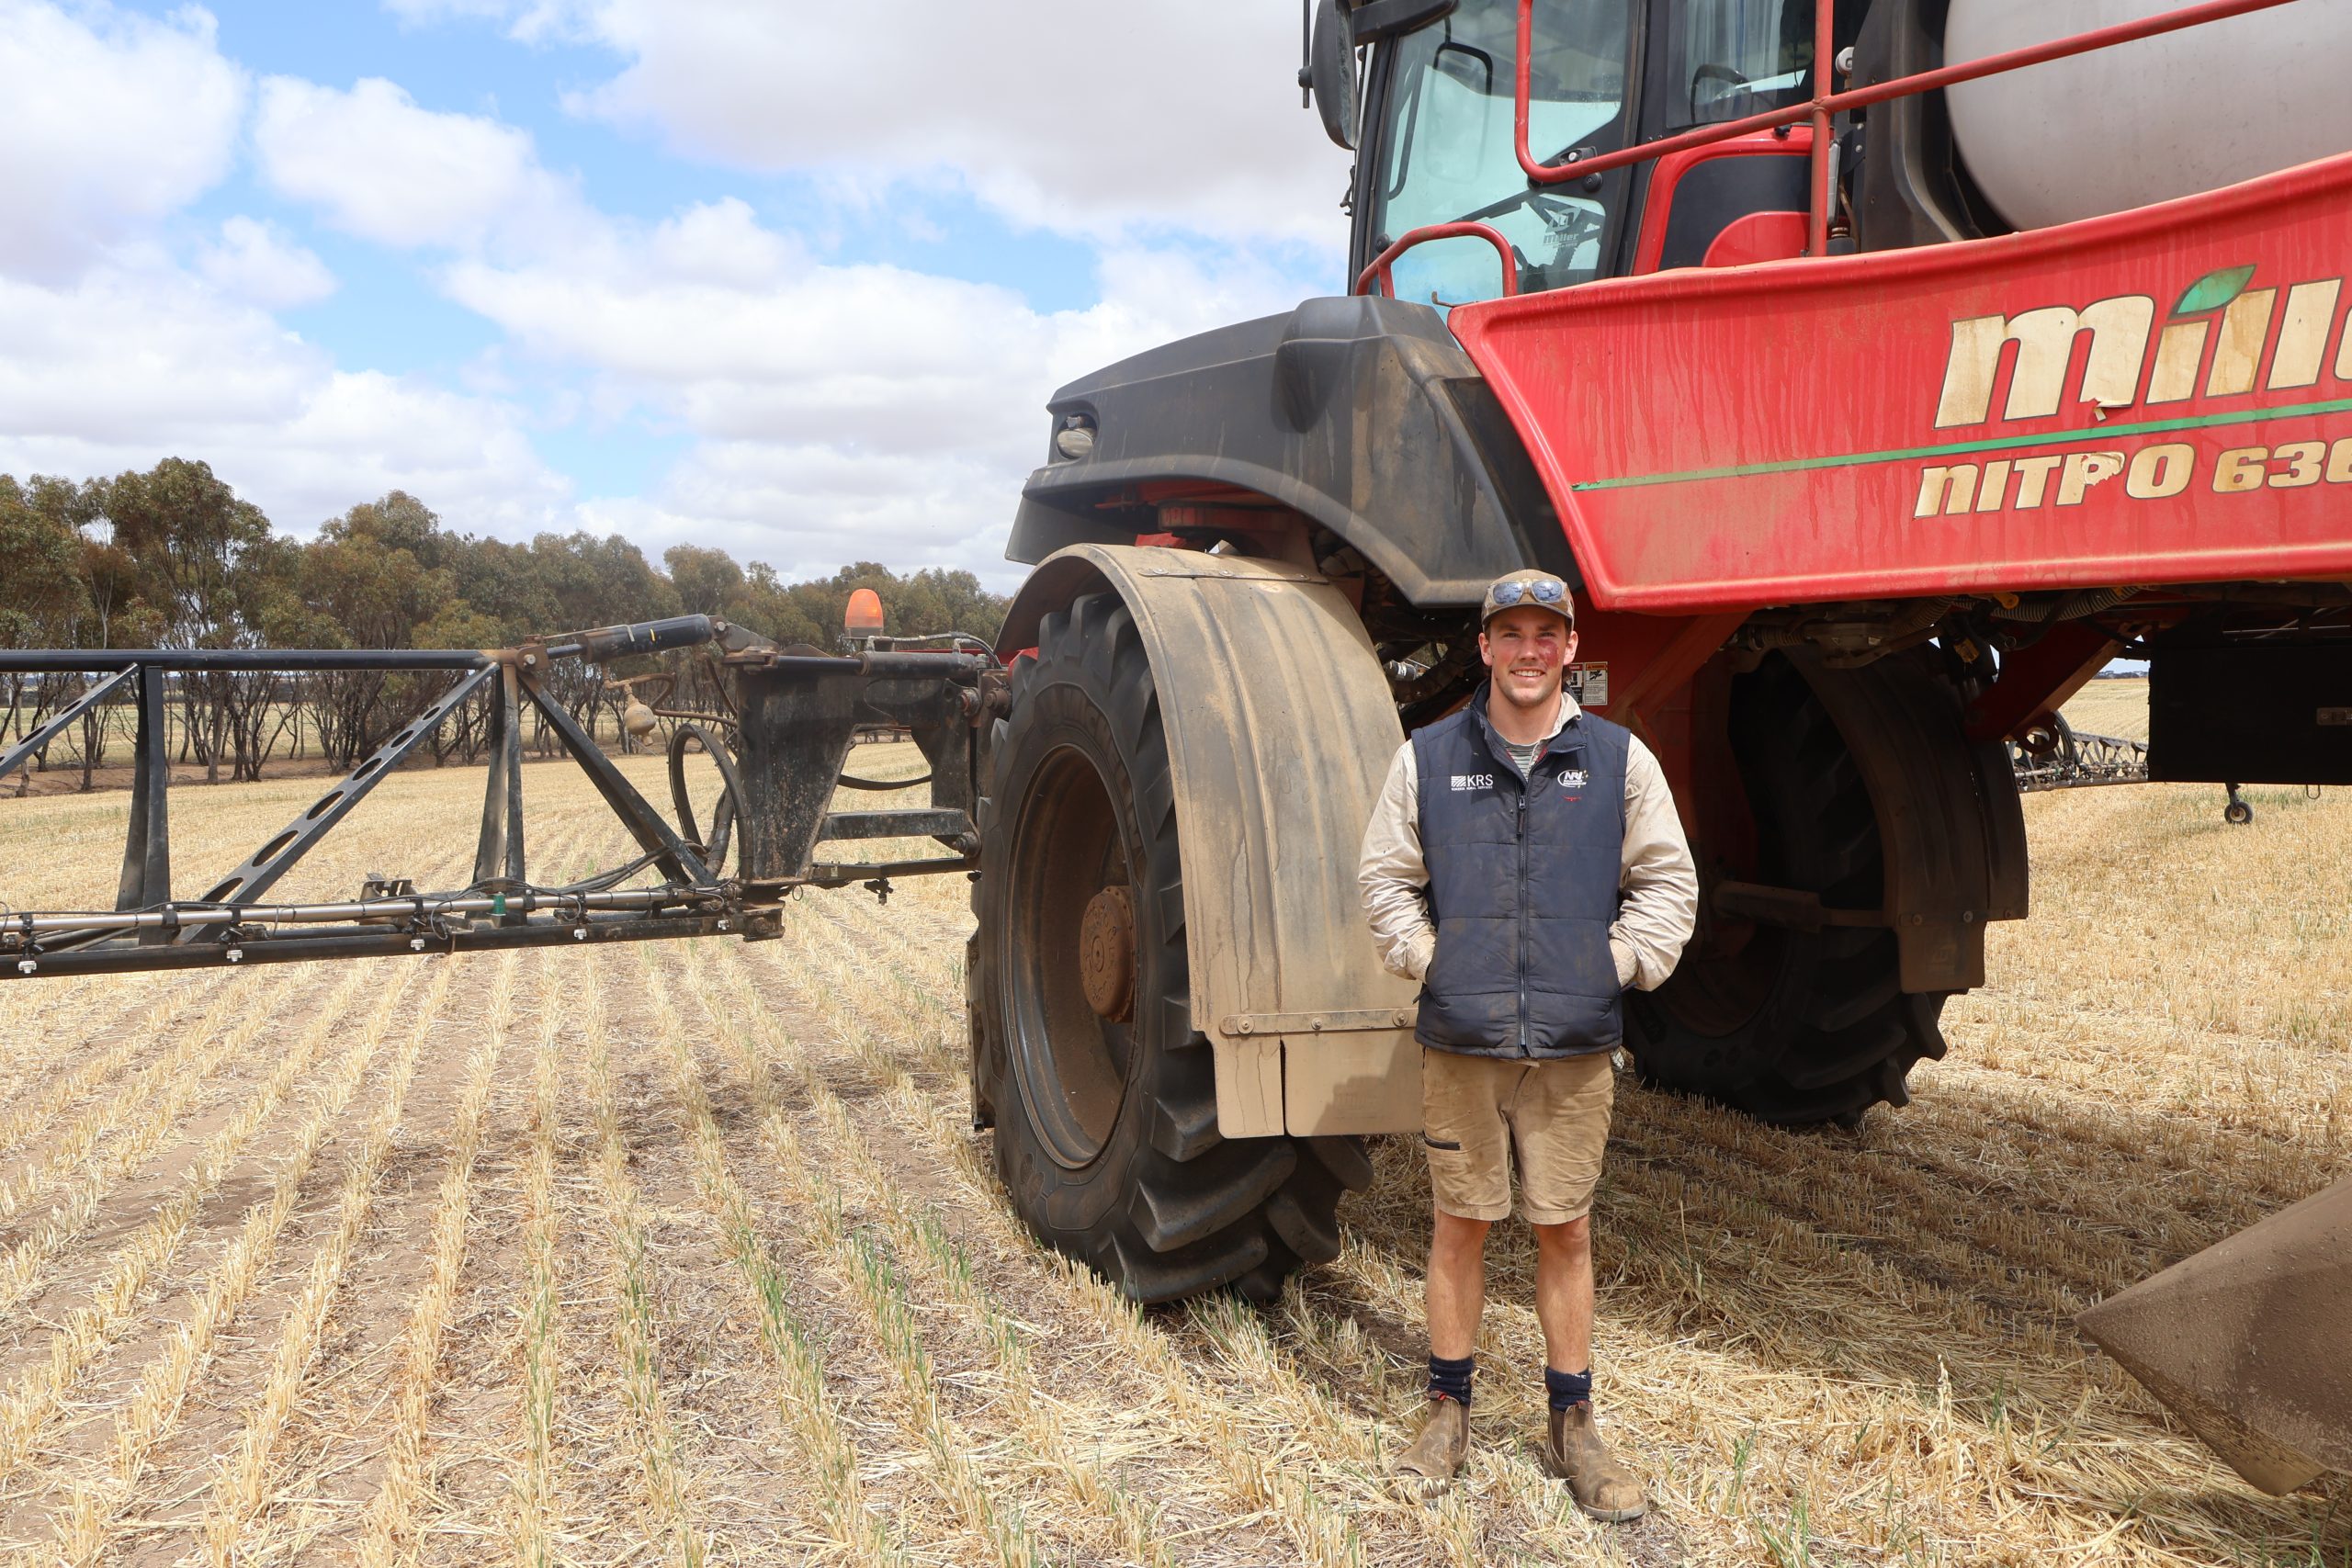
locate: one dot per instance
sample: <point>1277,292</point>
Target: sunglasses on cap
<point>1548,591</point>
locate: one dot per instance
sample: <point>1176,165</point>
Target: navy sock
<point>1566,1389</point>
<point>1451,1380</point>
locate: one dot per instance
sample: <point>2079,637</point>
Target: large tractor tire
<point>1102,1094</point>
<point>1795,1027</point>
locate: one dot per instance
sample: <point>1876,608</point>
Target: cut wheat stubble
<point>391,1527</point>
<point>53,1023</point>
<point>1889,1287</point>
<point>1534,1501</point>
<point>244,1483</point>
<point>1889,1291</point>
<point>994,1529</point>
<point>1760,1280</point>
<point>91,1168</point>
<point>120,1135</point>
<point>664,1490</point>
<point>1767,1292</point>
<point>1834,1349</point>
<point>1245,1462</point>
<point>357,1439</point>
<point>149,1099</point>
<point>535,1485</point>
<point>803,1404</point>
<point>1041,1443</point>
<point>542,1515</point>
<point>152,1416</point>
<point>147,1022</point>
<point>1000,1530</point>
<point>114,1304</point>
<point>500,1373</point>
<point>1320,1448</point>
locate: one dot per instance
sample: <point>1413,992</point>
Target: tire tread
<point>1199,1211</point>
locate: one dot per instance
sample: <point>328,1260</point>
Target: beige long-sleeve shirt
<point>1660,883</point>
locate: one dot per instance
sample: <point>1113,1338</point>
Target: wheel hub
<point>1106,954</point>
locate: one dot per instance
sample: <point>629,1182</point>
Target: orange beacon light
<point>864,617</point>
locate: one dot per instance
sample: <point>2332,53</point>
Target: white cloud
<point>809,510</point>
<point>113,356</point>
<point>710,309</point>
<point>108,121</point>
<point>527,19</point>
<point>789,348</point>
<point>256,263</point>
<point>839,411</point>
<point>379,166</point>
<point>415,13</point>
<point>128,366</point>
<point>1075,118</point>
<point>832,410</point>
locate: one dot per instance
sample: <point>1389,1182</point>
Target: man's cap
<point>1529,587</point>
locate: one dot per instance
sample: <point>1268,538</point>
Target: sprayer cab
<point>1431,95</point>
<point>1429,105</point>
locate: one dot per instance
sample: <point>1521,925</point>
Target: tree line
<point>173,557</point>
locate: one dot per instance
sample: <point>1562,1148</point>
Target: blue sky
<point>796,280</point>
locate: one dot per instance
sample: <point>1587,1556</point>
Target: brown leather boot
<point>1603,1488</point>
<point>1435,1456</point>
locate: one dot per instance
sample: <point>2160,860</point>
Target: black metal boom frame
<point>796,712</point>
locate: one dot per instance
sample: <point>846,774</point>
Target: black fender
<point>1362,413</point>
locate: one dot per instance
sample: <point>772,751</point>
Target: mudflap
<point>1280,728</point>
<point>1948,811</point>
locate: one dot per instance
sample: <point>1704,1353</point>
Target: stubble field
<point>2118,707</point>
<point>684,1253</point>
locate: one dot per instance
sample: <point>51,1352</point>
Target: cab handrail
<point>1823,104</point>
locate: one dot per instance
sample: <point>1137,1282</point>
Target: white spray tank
<point>2149,120</point>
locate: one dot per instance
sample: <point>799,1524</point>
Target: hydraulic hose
<point>724,814</point>
<point>2072,607</point>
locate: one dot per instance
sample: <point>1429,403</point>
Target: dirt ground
<point>687,1252</point>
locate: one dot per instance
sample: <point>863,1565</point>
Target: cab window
<point>1445,149</point>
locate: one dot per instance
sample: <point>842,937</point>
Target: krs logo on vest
<point>1473,781</point>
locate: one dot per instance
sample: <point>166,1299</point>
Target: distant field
<point>2111,707</point>
<point>687,1254</point>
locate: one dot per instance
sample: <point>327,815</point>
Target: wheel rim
<point>1072,1061</point>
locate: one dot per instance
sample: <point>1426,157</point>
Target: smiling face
<point>1528,650</point>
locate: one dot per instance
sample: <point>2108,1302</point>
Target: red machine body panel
<point>2163,395</point>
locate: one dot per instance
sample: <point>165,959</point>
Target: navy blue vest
<point>1523,883</point>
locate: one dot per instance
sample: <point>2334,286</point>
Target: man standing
<point>1525,864</point>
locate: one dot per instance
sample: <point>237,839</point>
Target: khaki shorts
<point>1476,1110</point>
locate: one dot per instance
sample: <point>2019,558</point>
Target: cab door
<point>1438,146</point>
